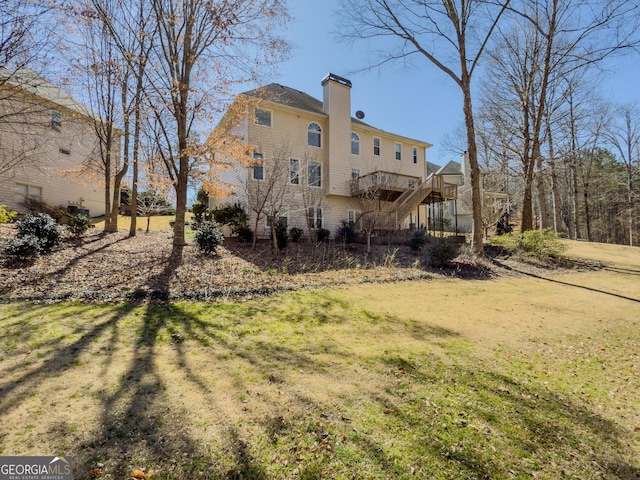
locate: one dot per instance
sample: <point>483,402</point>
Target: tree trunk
<point>476,200</point>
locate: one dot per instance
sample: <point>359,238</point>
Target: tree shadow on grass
<point>145,421</point>
<point>471,413</point>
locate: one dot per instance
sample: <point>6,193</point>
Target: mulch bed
<point>114,268</point>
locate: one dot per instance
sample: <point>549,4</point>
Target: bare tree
<point>268,191</point>
<point>554,39</point>
<point>450,34</point>
<point>624,136</point>
<point>201,50</point>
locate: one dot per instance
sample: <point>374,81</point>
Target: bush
<point>281,235</point>
<point>322,235</point>
<point>233,215</point>
<point>23,247</point>
<point>541,244</point>
<point>36,207</point>
<point>245,234</point>
<point>208,237</point>
<point>78,224</point>
<point>418,240</point>
<point>199,210</point>
<point>295,233</point>
<point>7,216</point>
<point>43,227</point>
<point>347,232</point>
<point>441,252</point>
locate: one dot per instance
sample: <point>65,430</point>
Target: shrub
<point>23,247</point>
<point>36,207</point>
<point>347,232</point>
<point>208,237</point>
<point>441,252</point>
<point>199,210</point>
<point>233,215</point>
<point>418,240</point>
<point>281,235</point>
<point>295,233</point>
<point>541,244</point>
<point>245,234</point>
<point>322,235</point>
<point>78,224</point>
<point>7,216</point>
<point>43,227</point>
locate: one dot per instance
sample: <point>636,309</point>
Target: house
<point>331,166</point>
<point>456,214</point>
<point>46,138</point>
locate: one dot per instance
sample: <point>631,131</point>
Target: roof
<point>290,97</point>
<point>451,168</point>
<point>31,82</point>
<point>287,96</point>
<point>432,168</point>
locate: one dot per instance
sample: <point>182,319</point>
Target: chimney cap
<point>336,78</point>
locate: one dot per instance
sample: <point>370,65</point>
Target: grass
<point>157,223</point>
<point>519,377</point>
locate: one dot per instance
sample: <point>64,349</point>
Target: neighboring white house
<point>336,164</point>
<point>46,137</point>
<point>456,215</point>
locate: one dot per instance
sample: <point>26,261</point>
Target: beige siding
<point>50,157</point>
<point>287,137</point>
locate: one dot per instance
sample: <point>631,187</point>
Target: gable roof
<point>287,96</point>
<point>432,168</point>
<point>451,168</point>
<point>29,81</point>
<point>290,97</point>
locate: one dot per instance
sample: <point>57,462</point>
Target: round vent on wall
<point>359,114</point>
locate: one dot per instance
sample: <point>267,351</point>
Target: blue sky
<point>420,102</point>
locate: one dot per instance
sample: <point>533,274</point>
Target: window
<point>352,216</point>
<point>294,171</point>
<point>415,154</point>
<point>314,174</point>
<point>263,117</point>
<point>258,167</point>
<point>64,151</point>
<point>315,217</point>
<point>398,151</point>
<point>25,192</point>
<point>283,218</point>
<point>355,144</point>
<point>56,120</point>
<point>355,173</point>
<point>314,135</point>
<point>376,146</point>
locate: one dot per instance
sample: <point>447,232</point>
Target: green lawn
<point>517,377</point>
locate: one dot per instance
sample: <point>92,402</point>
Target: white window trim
<point>284,213</point>
<point>316,209</point>
<point>319,132</point>
<point>414,155</point>
<point>398,151</point>
<point>356,141</point>
<point>27,194</point>
<point>355,216</point>
<point>291,171</point>
<point>253,171</point>
<point>321,173</point>
<point>379,146</point>
<point>270,118</point>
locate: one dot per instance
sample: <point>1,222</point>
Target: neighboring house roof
<point>451,168</point>
<point>31,82</point>
<point>432,168</point>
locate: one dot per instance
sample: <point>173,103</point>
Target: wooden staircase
<point>434,188</point>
